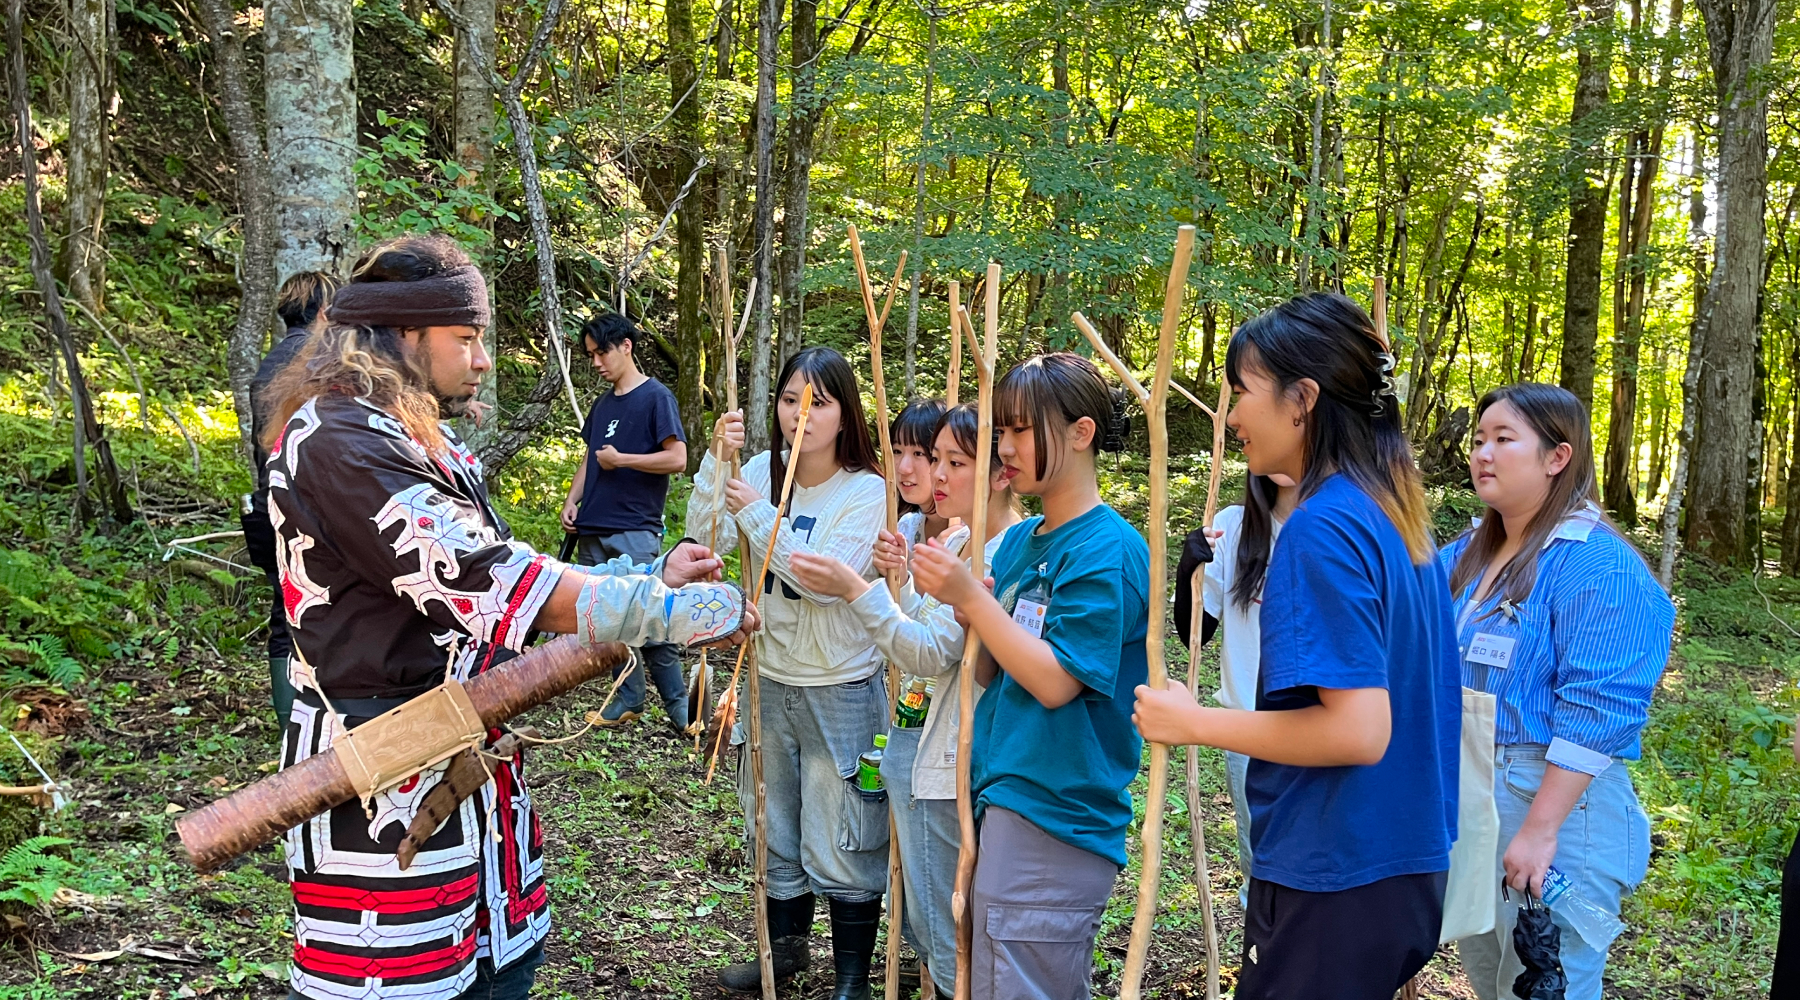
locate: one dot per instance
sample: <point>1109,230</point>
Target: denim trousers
<point>1603,847</point>
<point>930,838</point>
<point>663,659</point>
<point>511,983</point>
<point>1237,769</point>
<point>824,836</point>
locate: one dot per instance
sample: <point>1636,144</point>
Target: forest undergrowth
<point>140,682</point>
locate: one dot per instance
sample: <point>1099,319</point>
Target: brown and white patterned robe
<point>395,569</point>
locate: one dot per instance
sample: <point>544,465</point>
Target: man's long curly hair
<point>367,361</point>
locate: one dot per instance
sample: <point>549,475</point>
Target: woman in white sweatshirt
<point>822,699</point>
<point>923,638</point>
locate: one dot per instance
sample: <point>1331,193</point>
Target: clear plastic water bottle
<point>1596,926</point>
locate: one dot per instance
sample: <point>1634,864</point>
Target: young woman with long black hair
<point>823,700</point>
<point>1352,780</point>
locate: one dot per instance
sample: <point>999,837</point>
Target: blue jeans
<point>930,837</point>
<point>824,836</point>
<point>1237,768</point>
<point>511,983</point>
<point>1603,847</point>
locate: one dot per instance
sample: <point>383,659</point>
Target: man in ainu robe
<point>396,574</point>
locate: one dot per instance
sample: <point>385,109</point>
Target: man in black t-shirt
<point>615,505</point>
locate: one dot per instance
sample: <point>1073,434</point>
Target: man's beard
<point>454,407</point>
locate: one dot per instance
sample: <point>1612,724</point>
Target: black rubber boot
<point>853,946</point>
<point>790,944</point>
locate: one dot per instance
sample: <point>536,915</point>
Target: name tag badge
<point>1030,614</point>
<point>1491,650</point>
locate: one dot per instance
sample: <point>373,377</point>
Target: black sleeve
<point>1195,553</point>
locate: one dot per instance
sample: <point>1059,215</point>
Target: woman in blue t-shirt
<point>1062,648</point>
<point>1353,746</point>
<point>1559,618</point>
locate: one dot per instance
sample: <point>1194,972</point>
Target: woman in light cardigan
<point>823,701</point>
<point>923,638</point>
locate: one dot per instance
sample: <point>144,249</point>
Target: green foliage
<point>406,190</point>
<point>30,876</point>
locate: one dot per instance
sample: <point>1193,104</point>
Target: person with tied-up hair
<point>1559,618</point>
<point>397,575</point>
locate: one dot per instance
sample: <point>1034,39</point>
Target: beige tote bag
<point>1472,895</point>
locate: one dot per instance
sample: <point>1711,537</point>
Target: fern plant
<point>47,661</point>
<point>32,877</point>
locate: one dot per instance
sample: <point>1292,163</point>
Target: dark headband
<point>455,298</point>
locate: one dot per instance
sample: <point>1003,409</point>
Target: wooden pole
<point>702,688</point>
<point>1196,817</point>
<point>1131,980</point>
<point>984,360</point>
<point>787,484</point>
<point>896,884</point>
<point>1137,389</point>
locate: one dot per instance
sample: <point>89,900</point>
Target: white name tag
<point>1030,614</point>
<point>1491,650</point>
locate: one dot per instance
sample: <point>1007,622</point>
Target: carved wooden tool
<point>965,803</point>
<point>257,814</point>
<point>1196,816</point>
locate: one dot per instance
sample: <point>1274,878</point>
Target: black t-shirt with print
<point>636,423</point>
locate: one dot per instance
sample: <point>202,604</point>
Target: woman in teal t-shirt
<point>1062,648</point>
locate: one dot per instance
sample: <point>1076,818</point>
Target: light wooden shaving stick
<point>1196,818</point>
<point>984,360</point>
<point>896,883</point>
<point>722,468</point>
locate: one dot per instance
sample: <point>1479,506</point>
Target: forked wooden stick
<point>896,885</point>
<point>1196,818</point>
<point>965,688</point>
<point>720,469</point>
<point>1131,981</point>
<point>1098,343</point>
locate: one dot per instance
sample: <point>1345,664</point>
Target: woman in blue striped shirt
<point>1559,618</point>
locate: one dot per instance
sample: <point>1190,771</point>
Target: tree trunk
<point>918,254</point>
<point>472,136</point>
<point>89,70</point>
<point>114,507</point>
<point>1587,199</point>
<point>309,86</point>
<point>256,203</point>
<point>805,107</point>
<point>1637,186</point>
<point>1740,37</point>
<point>768,40</point>
<point>690,235</point>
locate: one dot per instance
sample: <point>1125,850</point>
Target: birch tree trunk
<point>1740,37</point>
<point>472,136</point>
<point>768,37</point>
<point>309,96</point>
<point>1587,198</point>
<point>88,73</point>
<point>690,235</point>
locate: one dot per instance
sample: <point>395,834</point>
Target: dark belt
<point>367,708</point>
